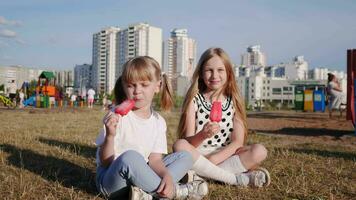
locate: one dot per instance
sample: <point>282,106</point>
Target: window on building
<point>287,88</point>
<point>276,91</point>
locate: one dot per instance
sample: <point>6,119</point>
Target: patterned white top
<point>202,112</point>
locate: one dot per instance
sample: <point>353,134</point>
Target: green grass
<point>49,154</point>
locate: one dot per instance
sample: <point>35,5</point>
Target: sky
<point>58,33</point>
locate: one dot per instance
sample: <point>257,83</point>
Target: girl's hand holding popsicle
<point>212,127</point>
<point>111,119</point>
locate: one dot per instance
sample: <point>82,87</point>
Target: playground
<point>44,93</point>
<point>49,154</point>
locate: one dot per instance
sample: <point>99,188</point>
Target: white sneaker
<point>259,177</point>
<point>194,190</point>
<point>137,193</point>
<point>191,176</point>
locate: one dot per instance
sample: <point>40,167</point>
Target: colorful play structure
<point>47,95</point>
<point>44,94</point>
<point>45,91</point>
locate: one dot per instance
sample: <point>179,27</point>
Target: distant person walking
<point>22,98</point>
<point>91,94</point>
<point>12,91</point>
<point>337,98</point>
<point>73,98</point>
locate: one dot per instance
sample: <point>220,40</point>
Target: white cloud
<point>7,33</point>
<point>19,41</point>
<point>4,21</point>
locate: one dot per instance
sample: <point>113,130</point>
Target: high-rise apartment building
<point>179,57</point>
<point>253,57</point>
<point>64,78</point>
<point>83,76</point>
<point>112,47</point>
<point>105,59</point>
<point>138,40</point>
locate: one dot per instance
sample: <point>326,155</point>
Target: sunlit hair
<point>143,68</point>
<point>230,89</point>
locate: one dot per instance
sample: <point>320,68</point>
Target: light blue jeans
<point>130,168</point>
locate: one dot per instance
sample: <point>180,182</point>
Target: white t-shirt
<point>12,88</point>
<point>21,95</point>
<point>331,86</point>
<point>145,136</point>
<point>73,97</point>
<point>91,94</point>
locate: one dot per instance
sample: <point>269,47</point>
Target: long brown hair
<point>143,68</point>
<point>230,89</point>
<point>330,77</point>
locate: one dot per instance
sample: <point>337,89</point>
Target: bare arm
<point>237,138</point>
<point>166,186</point>
<point>337,87</point>
<point>156,163</point>
<point>190,136</point>
<point>106,152</point>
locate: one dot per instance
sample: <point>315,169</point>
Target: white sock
<point>233,164</point>
<point>207,169</point>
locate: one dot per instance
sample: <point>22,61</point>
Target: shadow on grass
<point>309,132</point>
<point>79,149</point>
<point>326,153</point>
<point>51,168</point>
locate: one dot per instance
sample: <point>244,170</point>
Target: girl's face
<point>142,92</point>
<point>214,74</point>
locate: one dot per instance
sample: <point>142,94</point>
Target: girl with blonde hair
<point>130,147</point>
<point>218,147</point>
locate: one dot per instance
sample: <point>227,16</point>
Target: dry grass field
<point>49,154</point>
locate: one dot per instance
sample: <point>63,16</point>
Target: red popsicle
<point>216,112</point>
<point>125,107</point>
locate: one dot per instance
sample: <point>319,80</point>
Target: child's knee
<point>181,145</point>
<point>186,156</point>
<point>129,156</point>
<point>259,152</point>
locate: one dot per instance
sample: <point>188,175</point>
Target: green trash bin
<point>298,99</point>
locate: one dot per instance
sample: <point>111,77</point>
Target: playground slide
<point>30,101</point>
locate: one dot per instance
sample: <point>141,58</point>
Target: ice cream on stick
<point>216,112</point>
<point>125,107</point>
